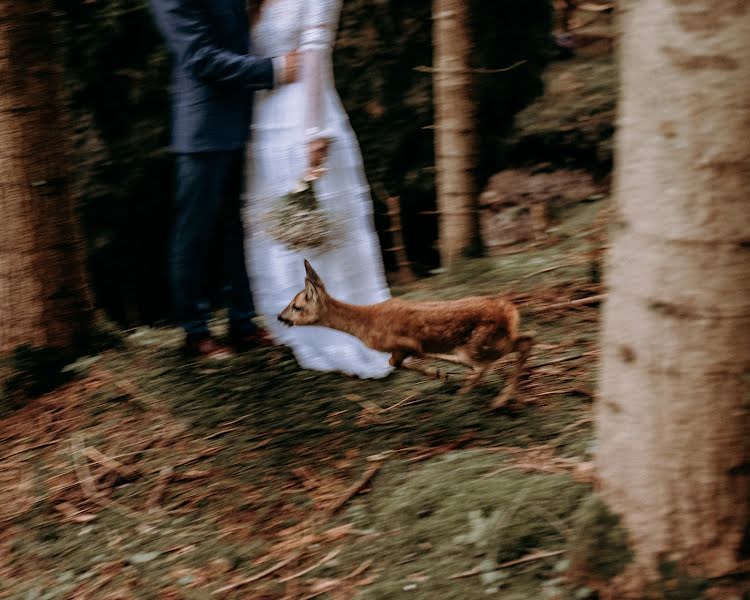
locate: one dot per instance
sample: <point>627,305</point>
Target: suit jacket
<point>213,77</point>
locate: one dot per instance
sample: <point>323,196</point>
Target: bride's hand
<point>317,150</point>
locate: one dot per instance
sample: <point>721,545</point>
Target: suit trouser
<point>209,187</point>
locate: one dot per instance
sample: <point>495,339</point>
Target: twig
<point>442,449</point>
<point>530,558</point>
<point>425,69</point>
<point>257,576</point>
<point>502,469</point>
<point>548,270</point>
<point>555,361</point>
<point>401,402</point>
<point>358,571</point>
<point>572,303</point>
<point>510,563</point>
<point>354,490</point>
<point>404,271</point>
<point>465,574</point>
<point>330,556</point>
<point>579,422</point>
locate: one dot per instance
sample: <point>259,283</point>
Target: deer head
<point>308,306</point>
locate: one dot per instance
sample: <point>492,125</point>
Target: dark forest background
<point>118,72</point>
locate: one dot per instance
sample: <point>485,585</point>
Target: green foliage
<point>119,74</point>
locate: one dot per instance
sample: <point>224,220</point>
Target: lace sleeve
<point>318,36</point>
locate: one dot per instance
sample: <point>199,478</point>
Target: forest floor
<point>152,477</point>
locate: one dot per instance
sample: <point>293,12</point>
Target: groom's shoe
<point>208,348</point>
<point>249,340</point>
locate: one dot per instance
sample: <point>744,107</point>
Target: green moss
<point>598,547</point>
<point>451,502</point>
<point>449,516</point>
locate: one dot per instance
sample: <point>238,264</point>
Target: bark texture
<point>674,414</point>
<point>43,293</point>
<point>455,135</point>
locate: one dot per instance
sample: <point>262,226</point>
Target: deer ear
<point>312,276</point>
<point>311,292</point>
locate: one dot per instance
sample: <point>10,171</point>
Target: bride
<point>296,128</point>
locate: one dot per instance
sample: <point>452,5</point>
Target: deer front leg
<point>397,359</point>
<point>458,359</point>
<point>522,346</point>
<point>428,371</point>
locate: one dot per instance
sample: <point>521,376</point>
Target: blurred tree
<point>43,292</point>
<point>674,415</point>
<point>456,151</point>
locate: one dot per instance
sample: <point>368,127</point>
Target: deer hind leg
<point>522,346</point>
<point>472,379</point>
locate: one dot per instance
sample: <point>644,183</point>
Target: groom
<point>213,81</point>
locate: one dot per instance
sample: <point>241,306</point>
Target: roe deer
<point>474,332</point>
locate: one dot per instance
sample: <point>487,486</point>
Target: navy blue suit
<point>213,79</point>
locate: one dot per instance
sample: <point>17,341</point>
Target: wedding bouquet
<point>298,221</point>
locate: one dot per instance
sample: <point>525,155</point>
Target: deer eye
<point>296,308</point>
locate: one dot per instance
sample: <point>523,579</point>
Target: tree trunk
<point>43,293</point>
<point>674,415</point>
<point>455,135</point>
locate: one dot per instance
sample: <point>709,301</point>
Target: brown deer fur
<point>475,332</point>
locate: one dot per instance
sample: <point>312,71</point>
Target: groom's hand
<point>291,67</point>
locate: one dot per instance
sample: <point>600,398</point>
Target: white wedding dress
<point>284,120</point>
